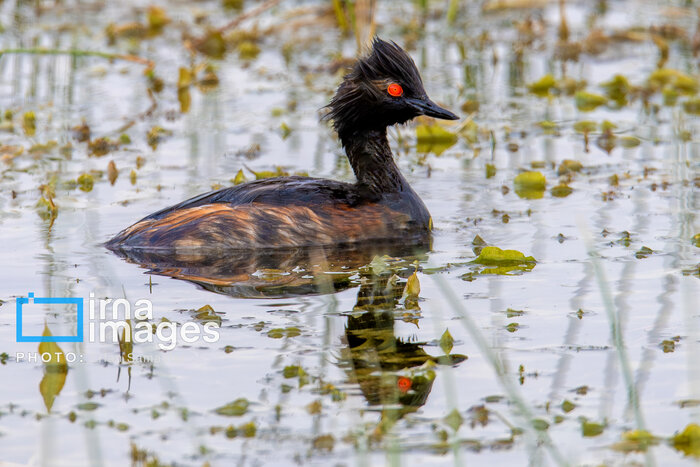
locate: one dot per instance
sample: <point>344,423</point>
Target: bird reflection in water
<point>394,375</point>
<point>269,273</point>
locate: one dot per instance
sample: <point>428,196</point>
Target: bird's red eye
<point>395,90</point>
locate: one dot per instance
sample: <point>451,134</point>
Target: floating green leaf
<point>676,79</point>
<point>292,371</point>
<point>607,126</point>
<point>81,132</point>
<point>542,86</point>
<point>55,370</point>
<point>88,406</point>
<point>157,18</point>
<point>155,135</point>
<point>470,106</point>
<point>548,127</point>
<point>184,97</point>
<point>434,138</point>
<point>494,256</point>
<point>323,443</point>
<point>285,130</point>
<point>412,289</point>
<point>637,435</point>
<point>670,96</point>
<point>234,409</point>
<point>212,45</point>
<point>454,419</point>
<point>233,4</point>
<point>530,185</point>
<point>688,440</point>
<point>692,106</point>
<point>617,89</point>
<point>668,346</point>
<point>567,406</point>
<point>540,424</point>
<point>248,430</point>
<point>86,182</point>
<point>490,170</point>
<point>121,426</point>
<point>503,262</point>
<point>586,101</point>
<point>569,166</point>
<point>29,123</point>
<point>585,126</point>
<point>511,313</point>
<point>636,440</point>
<point>239,178</point>
<point>207,314</point>
<point>278,172</point>
<point>561,191</point>
<point>446,341</point>
<point>630,141</point>
<point>643,252</point>
<point>278,333</point>
<point>591,429</point>
<point>101,146</point>
<point>248,50</point>
<point>42,149</point>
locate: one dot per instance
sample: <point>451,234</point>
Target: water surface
<point>359,375</point>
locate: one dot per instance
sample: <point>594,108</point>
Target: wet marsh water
<point>586,358</point>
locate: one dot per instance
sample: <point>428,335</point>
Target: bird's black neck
<point>371,160</point>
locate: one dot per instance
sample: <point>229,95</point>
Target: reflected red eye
<point>404,384</point>
<point>395,89</point>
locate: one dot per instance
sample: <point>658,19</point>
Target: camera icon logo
<point>21,301</point>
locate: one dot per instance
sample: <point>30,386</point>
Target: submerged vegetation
<point>552,321</point>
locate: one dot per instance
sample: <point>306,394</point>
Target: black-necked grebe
<point>383,88</point>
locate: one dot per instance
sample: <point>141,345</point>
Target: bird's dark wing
<point>277,191</point>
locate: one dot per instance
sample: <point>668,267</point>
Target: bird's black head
<point>382,89</point>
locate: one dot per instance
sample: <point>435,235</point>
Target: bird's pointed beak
<point>429,108</point>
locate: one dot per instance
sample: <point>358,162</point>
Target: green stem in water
<point>452,9</point>
<point>340,16</point>
<point>80,53</point>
